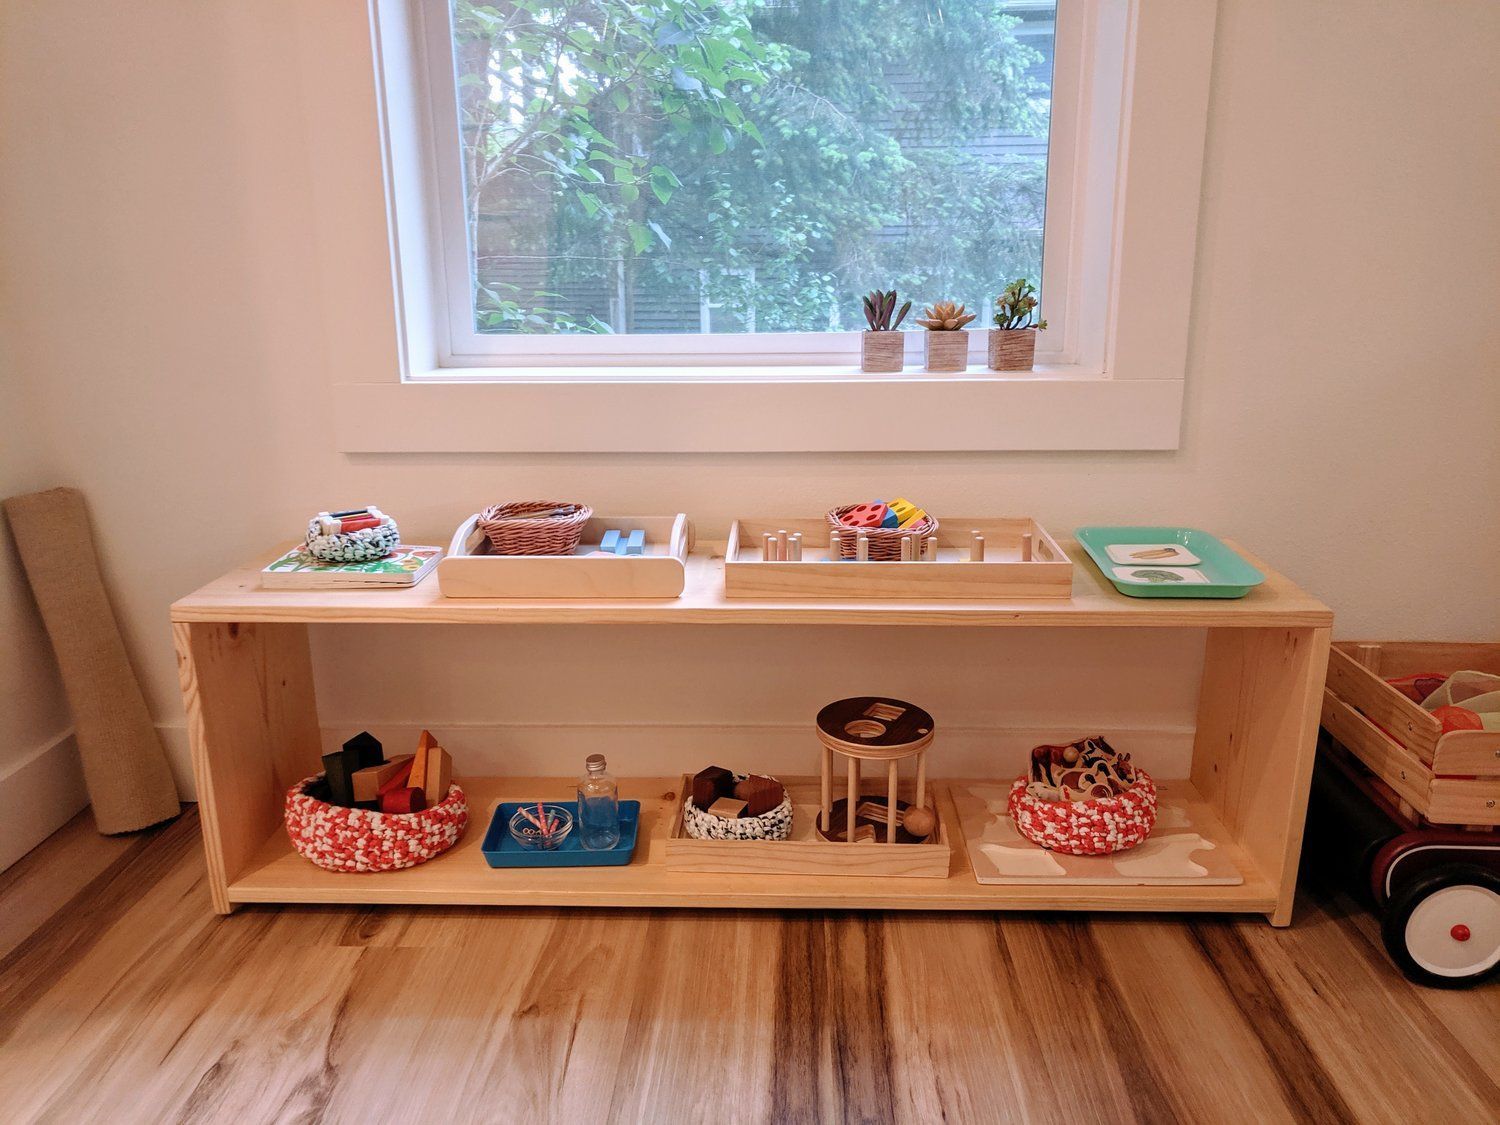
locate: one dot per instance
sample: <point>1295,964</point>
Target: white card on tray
<point>1160,576</point>
<point>1152,554</point>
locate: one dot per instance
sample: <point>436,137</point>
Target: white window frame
<point>1130,98</point>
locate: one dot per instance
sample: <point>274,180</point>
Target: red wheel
<point>1443,929</point>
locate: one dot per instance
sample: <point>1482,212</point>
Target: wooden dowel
<point>768,547</point>
<point>1026,546</point>
<point>891,804</point>
<point>783,546</point>
<point>862,547</point>
<point>922,780</point>
<point>853,799</point>
<point>835,546</point>
<point>976,547</point>
<point>796,543</point>
<point>906,548</point>
<point>826,813</point>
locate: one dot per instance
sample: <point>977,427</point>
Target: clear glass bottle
<point>598,807</point>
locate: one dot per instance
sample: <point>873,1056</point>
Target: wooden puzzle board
<point>1188,846</point>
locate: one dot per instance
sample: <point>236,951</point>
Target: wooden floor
<point>123,998</point>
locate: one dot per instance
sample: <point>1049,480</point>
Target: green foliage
<point>1016,306</point>
<point>761,153</point>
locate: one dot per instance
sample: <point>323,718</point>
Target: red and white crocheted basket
<point>1096,827</point>
<point>343,839</point>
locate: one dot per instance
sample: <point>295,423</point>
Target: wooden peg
<point>906,548</point>
<point>768,547</point>
<point>1368,656</point>
<point>1026,546</point>
<point>853,801</point>
<point>796,545</point>
<point>783,546</point>
<point>862,547</point>
<point>893,806</point>
<point>835,546</point>
<point>976,547</point>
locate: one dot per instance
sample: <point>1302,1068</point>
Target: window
<point>680,167</point>
<point>645,224</point>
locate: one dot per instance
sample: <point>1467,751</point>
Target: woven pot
<point>512,531</point>
<point>885,542</point>
<point>947,350</point>
<point>1097,827</point>
<point>342,839</point>
<point>1012,349</point>
<point>882,351</point>
<point>364,545</point>
<point>702,825</point>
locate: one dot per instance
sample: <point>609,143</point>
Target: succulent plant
<point>878,309</point>
<point>944,316</point>
<point>1016,306</point>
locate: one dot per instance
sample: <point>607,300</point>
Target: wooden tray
<point>470,571</point>
<point>804,853</point>
<point>1449,778</point>
<point>953,574</point>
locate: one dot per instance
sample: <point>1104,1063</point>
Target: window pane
<point>688,166</point>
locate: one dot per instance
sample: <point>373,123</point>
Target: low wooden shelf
<point>275,873</point>
<point>246,674</point>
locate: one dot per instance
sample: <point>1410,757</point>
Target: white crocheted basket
<point>702,825</point>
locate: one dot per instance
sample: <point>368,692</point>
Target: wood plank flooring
<point>128,1000</point>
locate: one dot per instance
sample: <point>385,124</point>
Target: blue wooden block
<point>636,544</point>
<point>610,544</point>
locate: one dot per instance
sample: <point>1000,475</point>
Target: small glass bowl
<point>524,830</point>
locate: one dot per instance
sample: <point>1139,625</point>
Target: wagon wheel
<point>1443,928</point>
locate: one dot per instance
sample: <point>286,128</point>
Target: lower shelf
<point>461,877</point>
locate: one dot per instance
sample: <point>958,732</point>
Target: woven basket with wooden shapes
<point>885,542</point>
<point>516,529</point>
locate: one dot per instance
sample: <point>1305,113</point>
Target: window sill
<point>747,410</point>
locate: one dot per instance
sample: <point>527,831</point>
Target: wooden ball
<point>919,822</point>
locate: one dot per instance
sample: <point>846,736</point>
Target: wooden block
<point>864,834</point>
<point>425,745</point>
<point>610,543</point>
<point>367,750</point>
<point>403,799</point>
<point>339,768</point>
<point>870,810</point>
<point>711,784</point>
<point>368,781</point>
<point>760,794</point>
<point>636,544</point>
<point>730,808</point>
<point>439,775</point>
<point>907,513</point>
<point>864,515</point>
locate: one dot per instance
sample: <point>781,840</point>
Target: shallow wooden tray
<point>805,853</point>
<point>1002,574</point>
<point>470,571</point>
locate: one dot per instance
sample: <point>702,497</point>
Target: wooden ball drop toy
<point>875,729</point>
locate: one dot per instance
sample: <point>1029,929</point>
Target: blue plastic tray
<point>1229,576</point>
<point>501,850</point>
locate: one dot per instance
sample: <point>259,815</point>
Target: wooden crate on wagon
<point>1450,779</point>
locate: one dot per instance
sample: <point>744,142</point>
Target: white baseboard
<point>43,791</point>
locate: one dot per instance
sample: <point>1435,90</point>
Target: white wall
<point>1343,414</point>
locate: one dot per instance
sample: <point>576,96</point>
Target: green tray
<point>1229,576</point>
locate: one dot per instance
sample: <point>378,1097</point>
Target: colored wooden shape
<point>730,808</point>
<point>367,750</point>
<point>711,784</point>
<point>610,544</point>
<point>439,775</point>
<point>405,799</point>
<point>636,544</point>
<point>760,794</point>
<point>367,782</point>
<point>338,768</point>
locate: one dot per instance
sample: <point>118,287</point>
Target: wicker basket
<point>343,839</point>
<point>1097,827</point>
<point>885,542</point>
<point>512,530</point>
<point>703,825</point>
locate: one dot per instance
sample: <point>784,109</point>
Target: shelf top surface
<point>238,596</point>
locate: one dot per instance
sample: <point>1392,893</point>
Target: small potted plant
<point>1013,339</point>
<point>882,348</point>
<point>947,342</point>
